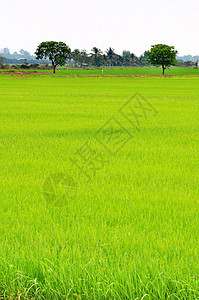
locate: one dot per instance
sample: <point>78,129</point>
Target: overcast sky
<point>122,24</point>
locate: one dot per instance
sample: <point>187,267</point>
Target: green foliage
<point>56,52</point>
<point>75,55</point>
<point>110,55</point>
<point>108,58</point>
<point>96,53</point>
<point>162,55</point>
<point>1,61</point>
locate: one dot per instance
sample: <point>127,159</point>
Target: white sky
<point>124,25</point>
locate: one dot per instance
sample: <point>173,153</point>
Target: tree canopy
<point>162,55</point>
<point>56,52</point>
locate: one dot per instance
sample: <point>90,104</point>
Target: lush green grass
<point>118,71</point>
<point>131,71</point>
<point>131,232</point>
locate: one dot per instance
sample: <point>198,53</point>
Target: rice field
<point>111,71</point>
<point>99,187</point>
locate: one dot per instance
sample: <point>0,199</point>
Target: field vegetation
<point>113,71</point>
<point>129,230</point>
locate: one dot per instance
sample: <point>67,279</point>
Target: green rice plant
<point>129,230</point>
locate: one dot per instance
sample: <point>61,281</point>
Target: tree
<point>76,56</point>
<point>110,53</point>
<point>104,59</point>
<point>133,57</point>
<point>126,57</point>
<point>197,64</point>
<point>97,56</point>
<point>1,61</point>
<point>56,52</point>
<point>162,55</point>
<point>83,58</point>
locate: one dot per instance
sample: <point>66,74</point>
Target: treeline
<point>81,58</point>
<point>108,58</point>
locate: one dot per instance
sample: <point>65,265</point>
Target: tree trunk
<point>54,67</point>
<point>163,68</point>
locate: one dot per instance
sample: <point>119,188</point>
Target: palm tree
<point>96,52</point>
<point>110,53</point>
<point>104,59</point>
<point>132,58</point>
